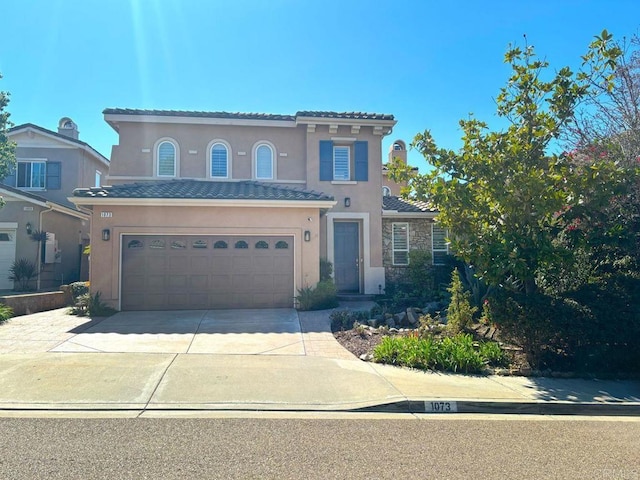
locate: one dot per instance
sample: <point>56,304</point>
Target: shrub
<point>341,320</point>
<point>6,312</point>
<point>421,273</point>
<point>454,354</point>
<point>348,319</point>
<point>79,288</point>
<point>321,297</point>
<point>460,312</point>
<point>326,269</point>
<point>92,306</point>
<point>22,271</point>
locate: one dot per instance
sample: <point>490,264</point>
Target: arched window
<point>264,162</point>
<point>166,159</point>
<point>219,157</point>
<point>386,191</point>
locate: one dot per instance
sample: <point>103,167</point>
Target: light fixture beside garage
<point>307,235</point>
<point>29,228</point>
<point>106,234</point>
<point>347,202</point>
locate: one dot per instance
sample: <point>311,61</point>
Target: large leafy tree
<point>504,193</point>
<point>7,148</point>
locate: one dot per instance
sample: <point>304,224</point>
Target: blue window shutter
<point>53,176</point>
<point>361,155</point>
<point>10,179</point>
<point>326,160</point>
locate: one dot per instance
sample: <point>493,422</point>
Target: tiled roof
<point>403,205</point>
<point>187,113</point>
<point>248,116</point>
<point>33,196</point>
<point>201,189</point>
<point>346,115</point>
<point>55,134</point>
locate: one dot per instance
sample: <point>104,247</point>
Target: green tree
<point>503,192</point>
<point>460,312</point>
<point>7,148</point>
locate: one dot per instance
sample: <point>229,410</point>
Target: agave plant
<point>22,271</point>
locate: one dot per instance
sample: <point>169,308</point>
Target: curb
<point>429,406</point>
<point>443,407</point>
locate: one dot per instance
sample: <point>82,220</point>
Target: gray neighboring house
<point>50,165</point>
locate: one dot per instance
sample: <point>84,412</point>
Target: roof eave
<point>199,202</point>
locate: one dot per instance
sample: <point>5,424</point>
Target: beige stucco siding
<point>134,156</point>
<point>199,220</point>
<point>365,197</point>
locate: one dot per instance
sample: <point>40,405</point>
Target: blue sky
<point>427,62</point>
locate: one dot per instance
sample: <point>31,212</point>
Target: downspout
<point>42,212</point>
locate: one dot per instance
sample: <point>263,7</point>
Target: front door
<point>346,245</point>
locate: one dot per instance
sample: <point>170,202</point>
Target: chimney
<point>398,150</point>
<point>68,128</point>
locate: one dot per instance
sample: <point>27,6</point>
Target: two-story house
<point>228,210</point>
<point>50,165</point>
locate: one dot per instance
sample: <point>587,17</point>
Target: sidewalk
<point>326,378</point>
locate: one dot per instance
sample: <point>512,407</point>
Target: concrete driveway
<point>242,332</point>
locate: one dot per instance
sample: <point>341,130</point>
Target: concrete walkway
<point>36,375</point>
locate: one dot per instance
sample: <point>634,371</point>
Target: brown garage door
<point>171,272</point>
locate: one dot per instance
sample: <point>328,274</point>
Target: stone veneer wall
<point>419,239</point>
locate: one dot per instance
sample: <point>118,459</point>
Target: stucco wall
<point>129,160</point>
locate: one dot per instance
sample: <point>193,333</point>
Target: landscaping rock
<point>394,330</point>
<point>373,323</point>
<point>411,317</point>
<point>401,317</point>
<point>390,322</point>
<point>431,308</point>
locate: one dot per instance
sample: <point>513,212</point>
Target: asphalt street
<point>356,447</point>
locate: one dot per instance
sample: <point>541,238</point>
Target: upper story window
<point>166,155</point>
<point>35,174</point>
<point>264,162</point>
<point>32,174</point>
<point>341,163</point>
<point>386,191</point>
<point>344,162</point>
<point>219,160</point>
<point>98,178</point>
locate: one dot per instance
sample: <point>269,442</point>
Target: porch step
<point>355,297</point>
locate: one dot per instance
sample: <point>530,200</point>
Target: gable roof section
<point>397,206</point>
<point>72,141</point>
<point>203,190</point>
<point>41,201</point>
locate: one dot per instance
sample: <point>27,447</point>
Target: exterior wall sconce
<point>347,202</point>
<point>29,228</point>
<point>106,234</point>
<point>307,236</point>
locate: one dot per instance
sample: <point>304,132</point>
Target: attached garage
<point>180,272</point>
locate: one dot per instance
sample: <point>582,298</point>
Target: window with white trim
<point>386,191</point>
<point>400,243</point>
<point>439,244</point>
<point>166,159</point>
<point>98,181</point>
<point>264,162</point>
<point>32,175</point>
<point>341,163</point>
<point>219,161</point>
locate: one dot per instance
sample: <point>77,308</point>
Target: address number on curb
<point>440,407</point>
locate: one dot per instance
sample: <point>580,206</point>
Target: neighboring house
<point>49,167</point>
<point>232,210</point>
<point>409,225</point>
